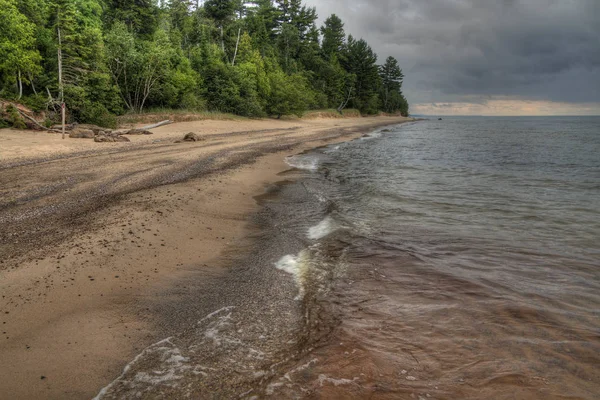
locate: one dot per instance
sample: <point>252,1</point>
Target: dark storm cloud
<point>452,50</point>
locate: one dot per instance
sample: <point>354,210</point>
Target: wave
<point>322,229</point>
<point>304,162</point>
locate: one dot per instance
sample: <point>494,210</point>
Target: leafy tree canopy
<point>253,58</point>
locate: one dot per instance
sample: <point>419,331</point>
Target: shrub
<point>13,118</point>
<point>97,114</point>
<point>35,102</point>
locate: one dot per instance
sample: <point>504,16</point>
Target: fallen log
<point>34,121</point>
<point>161,123</point>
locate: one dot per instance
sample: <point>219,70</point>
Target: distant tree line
<point>108,57</point>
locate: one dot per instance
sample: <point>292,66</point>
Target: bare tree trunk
<point>20,83</point>
<point>63,117</point>
<point>60,84</point>
<point>345,102</point>
<point>222,39</point>
<point>32,84</point>
<point>50,101</point>
<point>236,47</point>
<point>60,81</point>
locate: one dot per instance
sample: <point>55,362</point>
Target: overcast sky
<point>489,57</point>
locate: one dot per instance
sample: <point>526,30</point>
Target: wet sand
<point>96,238</point>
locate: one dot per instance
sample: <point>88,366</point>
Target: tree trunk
<point>60,84</point>
<point>20,83</point>
<point>222,39</point>
<point>63,117</point>
<point>50,102</point>
<point>345,102</point>
<point>60,80</point>
<point>32,84</point>
<point>236,47</point>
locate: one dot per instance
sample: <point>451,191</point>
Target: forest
<point>104,58</point>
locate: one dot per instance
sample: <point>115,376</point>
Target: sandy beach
<point>95,238</point>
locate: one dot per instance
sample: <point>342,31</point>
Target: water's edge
<point>255,322</point>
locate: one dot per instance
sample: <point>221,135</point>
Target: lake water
<point>454,259</point>
<point>472,258</point>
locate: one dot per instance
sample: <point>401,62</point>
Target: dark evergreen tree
<point>140,16</point>
<point>179,12</point>
<point>221,11</point>
<point>391,85</point>
<point>334,37</point>
<point>360,60</point>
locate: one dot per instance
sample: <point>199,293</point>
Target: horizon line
<point>518,115</point>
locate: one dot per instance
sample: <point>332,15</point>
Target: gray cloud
<point>461,50</point>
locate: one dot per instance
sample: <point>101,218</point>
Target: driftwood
<point>34,121</point>
<point>161,123</point>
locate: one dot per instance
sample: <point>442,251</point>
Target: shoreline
<point>77,307</point>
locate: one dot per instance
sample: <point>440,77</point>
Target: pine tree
<point>221,11</point>
<point>360,60</point>
<point>179,12</point>
<point>391,84</point>
<point>140,16</point>
<point>334,37</point>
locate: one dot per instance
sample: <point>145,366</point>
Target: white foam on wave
<point>212,314</point>
<point>215,329</point>
<point>372,135</point>
<point>303,161</point>
<point>297,266</point>
<point>322,229</point>
<point>172,365</point>
<point>336,382</point>
<point>333,149</point>
<point>289,264</point>
<point>170,356</point>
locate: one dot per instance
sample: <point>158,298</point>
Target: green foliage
<point>360,60</point>
<point>219,10</point>
<point>35,102</point>
<point>391,95</point>
<point>334,37</point>
<point>140,16</point>
<point>234,90</point>
<point>80,25</point>
<point>131,55</point>
<point>13,118</point>
<point>290,94</point>
<point>19,59</point>
<point>148,70</point>
<point>97,114</point>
